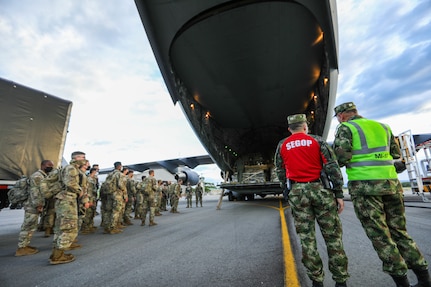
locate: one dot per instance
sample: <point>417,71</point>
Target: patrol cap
<point>298,118</point>
<point>344,108</point>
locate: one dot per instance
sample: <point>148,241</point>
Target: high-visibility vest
<point>371,158</point>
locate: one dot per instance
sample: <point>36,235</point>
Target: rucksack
<point>20,191</point>
<point>52,183</point>
<point>108,186</point>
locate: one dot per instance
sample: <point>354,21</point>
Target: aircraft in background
<point>169,170</point>
<point>239,68</point>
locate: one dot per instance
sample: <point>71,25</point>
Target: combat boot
<point>23,251</point>
<point>58,257</point>
<point>401,281</point>
<point>317,284</point>
<point>152,223</point>
<point>337,284</point>
<point>48,231</point>
<point>423,276</point>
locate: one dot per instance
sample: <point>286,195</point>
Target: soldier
<point>88,219</point>
<point>131,194</point>
<point>176,195</point>
<point>116,193</point>
<point>198,193</point>
<point>300,158</point>
<point>149,202</point>
<point>158,197</point>
<point>140,189</point>
<point>367,149</point>
<point>189,195</point>
<point>66,208</point>
<point>164,199</point>
<point>33,206</point>
<point>121,223</point>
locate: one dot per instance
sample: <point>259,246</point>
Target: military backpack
<point>20,191</point>
<point>52,183</point>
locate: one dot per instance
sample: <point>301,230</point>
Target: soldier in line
<point>66,208</point>
<point>33,206</point>
<point>198,193</point>
<point>48,216</point>
<point>189,195</point>
<point>158,197</point>
<point>300,158</point>
<point>149,203</point>
<point>88,220</point>
<point>164,198</point>
<point>176,195</point>
<point>367,149</point>
<point>117,190</point>
<point>125,196</point>
<point>131,195</point>
<point>140,189</point>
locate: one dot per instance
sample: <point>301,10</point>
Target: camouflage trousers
<point>309,203</point>
<point>198,199</point>
<point>66,222</point>
<point>174,203</point>
<point>148,204</point>
<point>128,208</point>
<point>189,200</point>
<point>117,210</point>
<point>49,213</point>
<point>88,219</point>
<point>105,210</point>
<point>28,227</point>
<point>384,222</point>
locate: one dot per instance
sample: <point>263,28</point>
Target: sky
<point>96,54</point>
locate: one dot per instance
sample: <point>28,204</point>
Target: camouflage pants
<point>117,210</point>
<point>88,219</point>
<point>28,227</point>
<point>198,199</point>
<point>128,208</point>
<point>310,202</point>
<point>174,203</point>
<point>384,222</point>
<point>106,210</point>
<point>148,204</point>
<point>189,200</point>
<point>66,222</point>
<point>49,213</point>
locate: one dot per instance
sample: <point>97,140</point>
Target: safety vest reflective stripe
<point>371,163</point>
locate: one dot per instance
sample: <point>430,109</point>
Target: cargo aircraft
<point>239,68</point>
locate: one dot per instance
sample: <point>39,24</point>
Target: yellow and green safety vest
<point>371,158</point>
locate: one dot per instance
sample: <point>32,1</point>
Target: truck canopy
<point>33,127</point>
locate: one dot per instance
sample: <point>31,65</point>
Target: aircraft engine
<point>187,175</point>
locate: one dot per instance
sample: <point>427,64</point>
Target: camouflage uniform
<point>189,195</point>
<point>158,197</point>
<point>175,197</point>
<point>379,207</point>
<point>149,202</point>
<point>31,215</point>
<point>66,207</point>
<point>131,194</point>
<point>90,213</point>
<point>163,201</point>
<point>118,197</point>
<point>198,194</point>
<point>310,201</point>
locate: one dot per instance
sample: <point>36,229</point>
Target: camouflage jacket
<point>343,150</point>
<point>331,167</point>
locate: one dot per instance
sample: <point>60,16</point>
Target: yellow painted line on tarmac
<point>290,274</point>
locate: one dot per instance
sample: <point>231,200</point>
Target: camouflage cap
<point>344,108</point>
<point>298,118</point>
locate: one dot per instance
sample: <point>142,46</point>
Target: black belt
<point>294,181</point>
